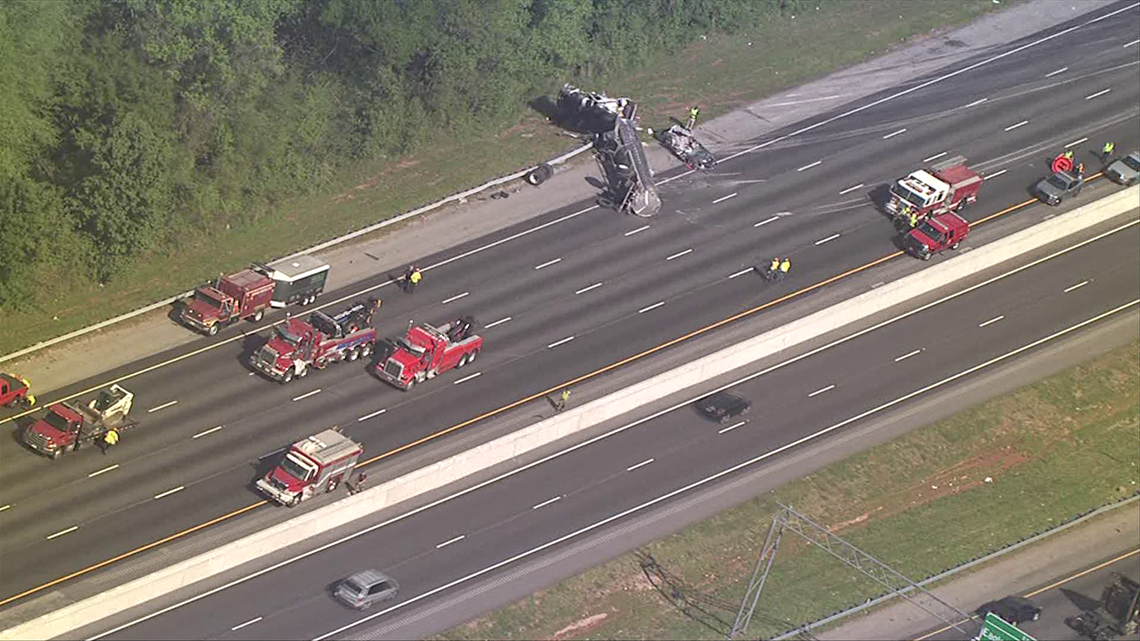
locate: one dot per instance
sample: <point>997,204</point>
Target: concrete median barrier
<point>563,424</point>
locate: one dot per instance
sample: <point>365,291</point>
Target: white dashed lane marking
<point>641,464</point>
<point>548,263</point>
<point>991,321</point>
<point>546,502</point>
<point>1098,94</point>
<point>467,378</point>
<point>169,492</point>
<point>724,198</point>
<point>455,298</point>
<point>895,133</point>
<point>935,156</point>
<point>995,174</point>
<point>820,391</point>
<point>498,322</point>
<point>557,343</point>
<point>1076,142</point>
<point>975,103</point>
<point>372,415</point>
<point>586,289</point>
<point>1077,286</point>
<point>209,431</point>
<point>766,221</point>
<point>680,254</point>
<point>1020,124</point>
<point>103,471</point>
<point>637,231</point>
<point>450,541</point>
<point>163,406</point>
<point>307,394</point>
<point>1053,73</point>
<point>908,355</point>
<point>242,625</point>
<point>731,427</point>
<point>62,532</point>
<point>814,164</point>
<point>827,240</point>
<point>850,189</point>
<point>650,308</point>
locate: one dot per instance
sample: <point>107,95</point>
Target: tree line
<point>127,126</point>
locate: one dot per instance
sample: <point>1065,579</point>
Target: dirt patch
<point>580,626</point>
<point>955,479</point>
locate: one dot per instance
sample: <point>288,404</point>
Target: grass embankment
<point>721,74</point>
<point>922,503</point>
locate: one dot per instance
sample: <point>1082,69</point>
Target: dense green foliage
<point>130,126</point>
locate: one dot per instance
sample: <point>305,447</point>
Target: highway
<point>1062,597</point>
<point>574,291</point>
<point>944,354</point>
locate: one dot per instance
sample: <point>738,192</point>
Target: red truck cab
<point>427,351</point>
<point>935,235</point>
<point>14,392</point>
<point>319,463</point>
<point>245,294</point>
<point>67,423</point>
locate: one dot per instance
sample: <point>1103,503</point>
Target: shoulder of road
<point>72,361</point>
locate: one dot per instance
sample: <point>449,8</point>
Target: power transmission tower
<point>788,519</point>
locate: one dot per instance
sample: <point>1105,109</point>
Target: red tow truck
<point>14,392</point>
<point>426,351</point>
<point>298,346</point>
<point>69,425</point>
<point>935,235</point>
<point>949,186</point>
<point>313,465</point>
<point>245,294</point>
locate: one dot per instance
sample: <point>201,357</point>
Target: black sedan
<point>1012,609</point>
<point>724,406</point>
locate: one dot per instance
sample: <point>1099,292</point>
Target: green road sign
<point>995,628</point>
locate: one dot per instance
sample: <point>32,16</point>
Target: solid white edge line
<point>895,133</point>
<point>449,542</point>
<point>242,625</point>
<point>623,428</point>
<point>160,407</point>
<point>994,175</point>
<point>636,231</point>
<point>103,471</point>
<point>169,492</point>
<point>546,502</point>
<point>467,378</point>
<point>822,390</point>
<point>908,355</point>
<point>1053,73</point>
<point>850,189</point>
<point>680,254</point>
<point>1076,142</point>
<point>731,427</point>
<point>498,322</point>
<point>586,289</point>
<point>651,307</point>
<point>724,198</point>
<point>641,464</point>
<point>765,222</point>
<point>814,164</point>
<point>209,431</point>
<point>62,532</point>
<point>1077,286</point>
<point>828,239</point>
<point>372,415</point>
<point>307,394</point>
<point>557,343</point>
<point>548,263</point>
<point>455,298</point>
<point>741,272</point>
<point>991,321</point>
<point>1020,124</point>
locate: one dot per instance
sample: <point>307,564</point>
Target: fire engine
<point>319,463</point>
<point>427,351</point>
<point>949,186</point>
<point>298,346</point>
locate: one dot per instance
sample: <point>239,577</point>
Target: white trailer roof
<point>296,268</point>
<point>329,445</point>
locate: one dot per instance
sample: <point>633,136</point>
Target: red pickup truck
<point>14,392</point>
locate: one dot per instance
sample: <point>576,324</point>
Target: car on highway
<point>724,406</point>
<point>1012,609</point>
<point>1058,187</point>
<point>363,589</point>
<point>1126,170</point>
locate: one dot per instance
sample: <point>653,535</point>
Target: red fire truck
<point>298,346</point>
<point>426,351</point>
<point>313,465</point>
<point>949,186</point>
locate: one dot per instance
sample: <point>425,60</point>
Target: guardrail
<point>315,248</point>
<point>528,439</point>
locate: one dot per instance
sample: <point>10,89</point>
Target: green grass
<point>1053,451</point>
<point>721,74</point>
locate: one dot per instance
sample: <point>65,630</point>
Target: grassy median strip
<point>928,501</point>
<point>720,73</point>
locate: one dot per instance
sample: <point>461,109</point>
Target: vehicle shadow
<point>250,344</point>
<point>1081,601</point>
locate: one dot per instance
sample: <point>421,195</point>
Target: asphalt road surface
<point>452,559</point>
<point>578,289</point>
<point>1060,597</point>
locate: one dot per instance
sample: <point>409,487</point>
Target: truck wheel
<point>213,331</point>
<point>366,350</point>
<point>462,362</point>
<point>927,256</point>
<point>472,356</point>
<point>287,377</point>
<point>411,384</point>
<point>303,373</point>
<point>294,502</point>
<point>955,245</point>
<point>260,314</point>
<point>56,453</point>
<point>354,353</point>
